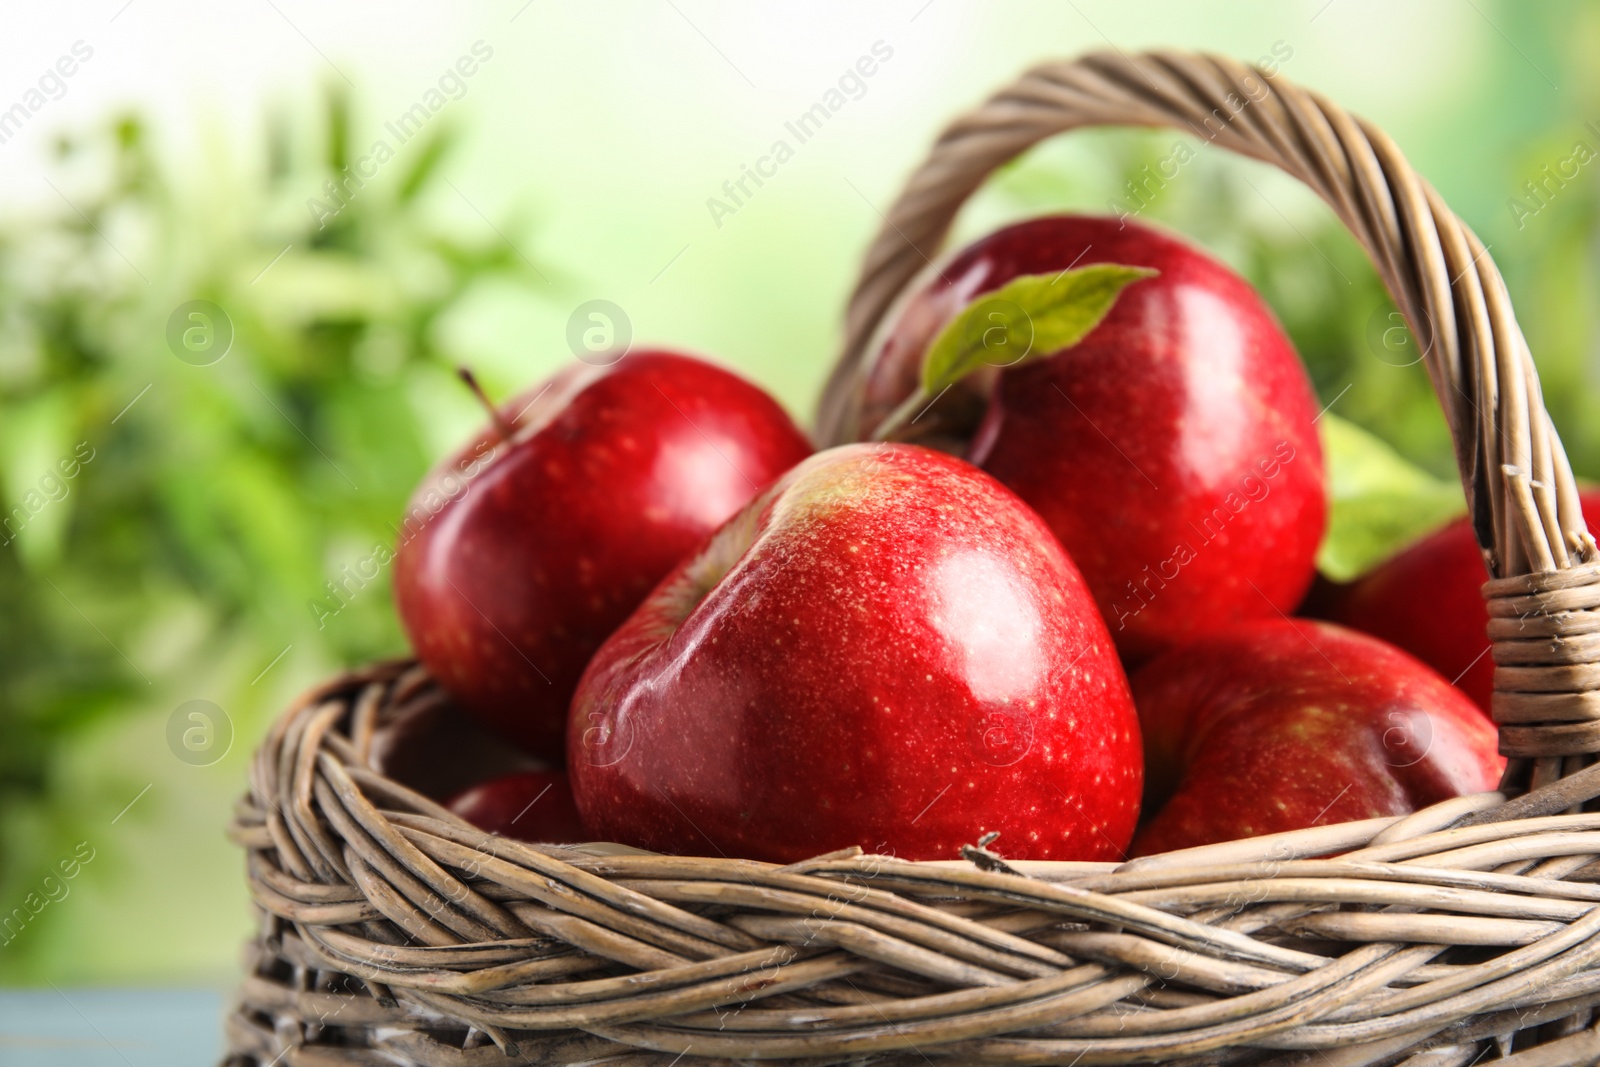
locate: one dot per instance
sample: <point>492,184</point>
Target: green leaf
<point>427,163</point>
<point>338,105</point>
<point>1378,502</point>
<point>1029,318</point>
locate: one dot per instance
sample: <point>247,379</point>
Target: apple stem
<point>901,417</point>
<point>501,426</point>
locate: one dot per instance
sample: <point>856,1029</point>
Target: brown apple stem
<point>501,426</point>
<point>901,417</point>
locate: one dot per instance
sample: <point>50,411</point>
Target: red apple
<point>531,806</point>
<point>432,748</point>
<point>522,553</point>
<point>1281,725</point>
<point>1173,450</point>
<point>1428,600</point>
<point>886,649</point>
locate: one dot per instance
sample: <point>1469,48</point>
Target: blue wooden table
<point>110,1027</point>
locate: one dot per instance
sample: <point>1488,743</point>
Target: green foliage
<point>216,501</point>
<point>1377,502</point>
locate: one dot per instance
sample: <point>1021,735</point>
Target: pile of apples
<point>1045,595</point>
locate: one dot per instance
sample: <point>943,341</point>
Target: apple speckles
<point>875,677</point>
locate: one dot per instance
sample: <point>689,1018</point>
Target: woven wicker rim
<point>393,932</point>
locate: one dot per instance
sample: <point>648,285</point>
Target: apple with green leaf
<point>1173,449</point>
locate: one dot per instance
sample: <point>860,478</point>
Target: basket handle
<point>1520,491</point>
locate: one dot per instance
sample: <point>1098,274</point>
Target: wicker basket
<point>394,933</point>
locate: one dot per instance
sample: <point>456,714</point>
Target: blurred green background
<point>208,504</point>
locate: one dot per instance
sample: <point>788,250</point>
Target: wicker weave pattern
<point>393,926</point>
<point>394,933</point>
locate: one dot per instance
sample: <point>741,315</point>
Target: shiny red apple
<point>1281,725</point>
<point>531,806</point>
<point>1173,450</point>
<point>1428,600</point>
<point>519,555</point>
<point>886,649</point>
